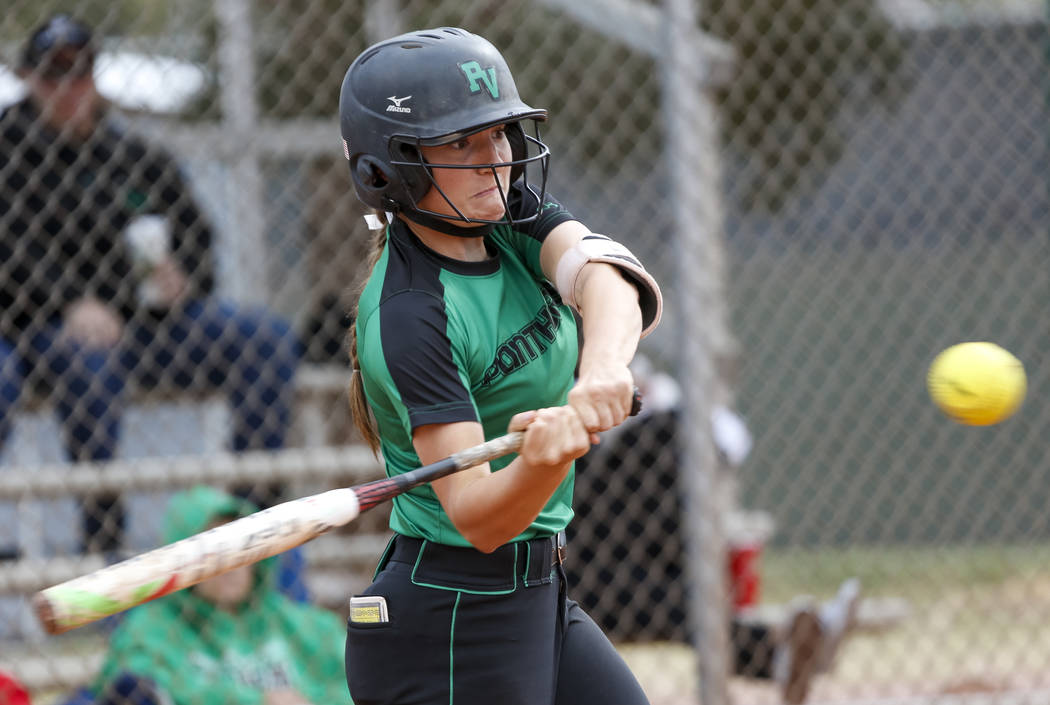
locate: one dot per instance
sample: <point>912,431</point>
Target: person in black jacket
<point>106,274</point>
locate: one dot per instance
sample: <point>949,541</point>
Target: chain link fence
<point>830,191</point>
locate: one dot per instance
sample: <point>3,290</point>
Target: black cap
<point>44,48</point>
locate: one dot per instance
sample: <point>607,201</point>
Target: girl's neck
<point>464,249</point>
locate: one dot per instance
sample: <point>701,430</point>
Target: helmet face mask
<point>418,173</point>
<point>431,88</point>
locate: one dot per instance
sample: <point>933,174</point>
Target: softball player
<point>465,330</point>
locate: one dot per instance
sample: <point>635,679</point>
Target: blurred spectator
<point>106,275</point>
<point>629,569</point>
<point>324,334</point>
<point>792,651</point>
<point>232,639</point>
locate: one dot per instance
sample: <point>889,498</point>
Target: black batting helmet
<point>429,88</point>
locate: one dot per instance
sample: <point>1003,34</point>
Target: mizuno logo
<point>395,106</point>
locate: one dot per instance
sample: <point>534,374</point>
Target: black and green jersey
<point>441,341</point>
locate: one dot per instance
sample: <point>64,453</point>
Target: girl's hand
<point>602,396</point>
<point>554,437</point>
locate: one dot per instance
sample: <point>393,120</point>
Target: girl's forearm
<point>612,319</point>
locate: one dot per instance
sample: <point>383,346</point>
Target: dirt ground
<point>969,641</point>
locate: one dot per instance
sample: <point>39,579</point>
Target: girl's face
<point>473,191</point>
<point>229,589</point>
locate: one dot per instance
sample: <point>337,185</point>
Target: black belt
<point>463,567</point>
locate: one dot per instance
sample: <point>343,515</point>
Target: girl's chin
<point>493,210</point>
<point>493,214</point>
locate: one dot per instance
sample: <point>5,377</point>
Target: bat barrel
<point>187,562</point>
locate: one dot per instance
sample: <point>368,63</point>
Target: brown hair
<point>362,413</point>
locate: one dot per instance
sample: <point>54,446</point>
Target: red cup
<point>745,580</point>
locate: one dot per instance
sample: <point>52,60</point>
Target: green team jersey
<point>441,341</point>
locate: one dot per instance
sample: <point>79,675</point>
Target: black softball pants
<point>469,628</point>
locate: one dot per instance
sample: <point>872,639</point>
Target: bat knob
<point>636,402</point>
<point>46,614</point>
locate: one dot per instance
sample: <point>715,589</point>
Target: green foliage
<point>303,50</point>
<point>795,60</point>
<point>107,16</point>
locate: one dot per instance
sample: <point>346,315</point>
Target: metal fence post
<point>694,194</point>
<point>240,122</point>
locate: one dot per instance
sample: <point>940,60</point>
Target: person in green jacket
<point>230,640</point>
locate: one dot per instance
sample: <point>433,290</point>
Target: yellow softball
<point>978,383</point>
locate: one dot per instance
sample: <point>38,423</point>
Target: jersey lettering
<point>526,345</point>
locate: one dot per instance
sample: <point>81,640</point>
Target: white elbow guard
<point>599,248</point>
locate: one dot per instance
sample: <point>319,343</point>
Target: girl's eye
<point>460,144</point>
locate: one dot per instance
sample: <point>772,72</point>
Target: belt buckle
<point>559,550</point>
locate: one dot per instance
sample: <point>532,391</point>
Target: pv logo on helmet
<point>395,105</point>
<point>474,73</point>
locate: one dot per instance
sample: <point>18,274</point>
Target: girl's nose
<point>495,150</point>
